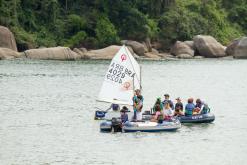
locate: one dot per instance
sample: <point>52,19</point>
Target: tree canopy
<point>97,23</point>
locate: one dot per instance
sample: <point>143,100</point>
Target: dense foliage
<point>97,23</point>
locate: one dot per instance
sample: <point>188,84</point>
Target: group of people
<point>164,110</point>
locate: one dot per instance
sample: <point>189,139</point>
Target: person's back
<point>189,107</point>
<point>158,102</point>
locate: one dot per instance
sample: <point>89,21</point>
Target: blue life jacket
<point>189,109</point>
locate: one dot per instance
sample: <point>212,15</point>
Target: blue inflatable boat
<point>115,125</point>
<point>200,118</point>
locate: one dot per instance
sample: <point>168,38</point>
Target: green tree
<point>106,32</point>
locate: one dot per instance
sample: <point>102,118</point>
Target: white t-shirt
<point>168,112</point>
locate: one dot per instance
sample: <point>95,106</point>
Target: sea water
<point>47,114</point>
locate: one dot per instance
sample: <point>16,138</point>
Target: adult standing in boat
<point>167,100</point>
<point>137,104</point>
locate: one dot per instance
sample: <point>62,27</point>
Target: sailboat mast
<point>140,77</point>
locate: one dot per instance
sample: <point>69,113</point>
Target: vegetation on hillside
<point>97,23</point>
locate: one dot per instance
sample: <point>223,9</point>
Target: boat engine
<point>116,125</point>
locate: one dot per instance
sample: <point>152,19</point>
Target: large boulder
<point>137,47</point>
<point>181,48</point>
<point>190,44</point>
<point>105,53</point>
<point>7,39</point>
<point>152,55</point>
<point>6,53</point>
<point>54,53</point>
<point>208,46</point>
<point>184,56</point>
<point>241,49</point>
<point>81,52</point>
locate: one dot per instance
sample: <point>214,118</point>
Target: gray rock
<point>184,56</point>
<point>7,39</point>
<point>241,49</point>
<point>152,55</point>
<point>6,53</point>
<point>231,47</point>
<point>154,51</point>
<point>198,57</point>
<point>54,53</point>
<point>180,48</point>
<point>83,50</point>
<point>105,53</point>
<point>137,47</point>
<point>190,44</point>
<point>208,46</point>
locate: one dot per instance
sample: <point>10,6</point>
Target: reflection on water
<point>47,109</point>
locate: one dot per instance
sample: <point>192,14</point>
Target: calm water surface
<point>46,114</point>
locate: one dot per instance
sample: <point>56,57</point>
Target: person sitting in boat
<point>198,107</point>
<point>124,116</point>
<point>178,108</point>
<point>190,106</point>
<point>205,109</point>
<point>167,100</point>
<point>158,102</point>
<point>167,111</point>
<point>158,117</point>
<point>138,104</point>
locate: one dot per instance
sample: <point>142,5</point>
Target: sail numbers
<point>117,73</point>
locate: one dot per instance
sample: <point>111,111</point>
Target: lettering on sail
<point>117,73</point>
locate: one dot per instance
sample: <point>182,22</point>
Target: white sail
<point>121,79</point>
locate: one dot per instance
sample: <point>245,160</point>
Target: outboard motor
<point>99,115</point>
<point>116,125</point>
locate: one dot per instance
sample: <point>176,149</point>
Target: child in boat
<point>167,111</point>
<point>190,106</point>
<point>158,117</point>
<point>178,108</point>
<point>124,116</point>
<point>158,102</point>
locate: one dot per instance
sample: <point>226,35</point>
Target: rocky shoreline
<point>200,47</point>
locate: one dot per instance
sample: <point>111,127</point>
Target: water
<point>46,114</point>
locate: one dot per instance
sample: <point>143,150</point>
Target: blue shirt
<point>124,117</point>
<point>189,109</point>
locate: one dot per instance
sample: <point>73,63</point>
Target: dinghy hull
<point>202,118</point>
<point>145,126</point>
<point>151,126</point>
